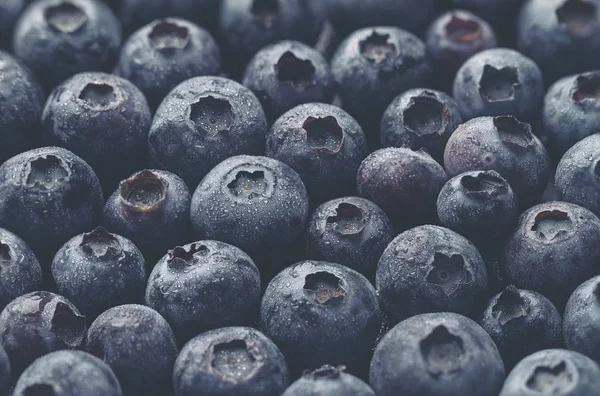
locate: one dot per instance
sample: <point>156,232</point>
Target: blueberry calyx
<point>376,48</point>
<point>551,379</point>
<point>587,88</point>
<point>498,85</point>
<point>299,72</point>
<point>5,254</point>
<point>250,182</point>
<point>46,171</point>
<point>463,30</point>
<point>266,11</point>
<point>101,96</point>
<point>425,115</point>
<point>65,17</point>
<point>510,306</point>
<point>68,325</point>
<point>236,360</point>
<point>101,243</point>
<point>347,220</point>
<point>181,258</point>
<point>484,184</point>
<point>578,17</point>
<point>442,351</point>
<point>325,372</point>
<point>448,272</point>
<point>39,390</point>
<point>552,225</point>
<point>513,133</point>
<point>167,36</point>
<point>212,114</point>
<point>144,192</point>
<point>324,287</point>
<point>324,134</point>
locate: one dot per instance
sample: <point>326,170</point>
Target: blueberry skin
<point>402,182</point>
<point>287,74</point>
<point>5,372</point>
<point>246,26</point>
<point>57,39</point>
<point>259,368</point>
<point>349,230</point>
<point>420,118</point>
<point>499,81</point>
<point>374,65</point>
<point>165,53</point>
<point>138,345</point>
<point>102,118</point>
<point>203,121</point>
<point>48,196</point>
<point>314,310</point>
<point>571,112</point>
<point>479,205</point>
<point>21,271</point>
<point>10,11</point>
<point>38,323</point>
<point>349,15</point>
<point>580,324</point>
<point>329,381</point>
<point>203,286</point>
<point>99,270</point>
<point>270,213</point>
<point>521,322</point>
<point>67,373</point>
<point>553,250</point>
<point>441,354</point>
<point>454,37</point>
<point>552,33</point>
<point>152,209</point>
<point>431,269</point>
<point>21,102</point>
<point>505,145</point>
<point>324,144</point>
<point>553,371</point>
<point>577,173</point>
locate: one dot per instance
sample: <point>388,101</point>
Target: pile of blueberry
<point>299,197</point>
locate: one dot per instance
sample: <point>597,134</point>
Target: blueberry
<point>577,177</point>
<point>10,11</point>
<point>404,183</point>
<point>581,323</point>
<point>138,345</point>
<point>431,269</point>
<point>202,122</point>
<point>68,373</point>
<point>230,361</point>
<point>453,38</point>
<point>329,381</point>
<point>152,209</point>
<point>48,195</point>
<point>21,103</point>
<point>5,372</point>
<point>439,354</point>
<point>521,322</point>
<point>497,82</point>
<point>315,310</point>
<point>374,65</point>
<point>255,203</point>
<point>556,372</point>
<point>38,323</point>
<point>349,230</point>
<point>286,74</point>
<point>324,144</point>
<point>246,26</point>
<point>480,205</point>
<point>497,12</point>
<point>203,286</point>
<point>60,38</point>
<point>553,249</point>
<point>163,54</point>
<point>20,270</point>
<point>102,118</point>
<point>420,118</point>
<point>99,270</point>
<point>349,15</point>
<point>561,36</point>
<point>505,145</point>
<point>571,112</point>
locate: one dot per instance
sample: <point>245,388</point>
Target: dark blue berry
<point>581,324</point>
<point>329,381</point>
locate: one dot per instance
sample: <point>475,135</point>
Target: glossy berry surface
<point>436,354</point>
<point>38,323</point>
<point>351,230</point>
<point>313,310</point>
<point>324,144</point>
<point>202,122</point>
<point>228,362</point>
<point>581,319</point>
<point>203,286</point>
<point>165,53</point>
<point>138,345</point>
